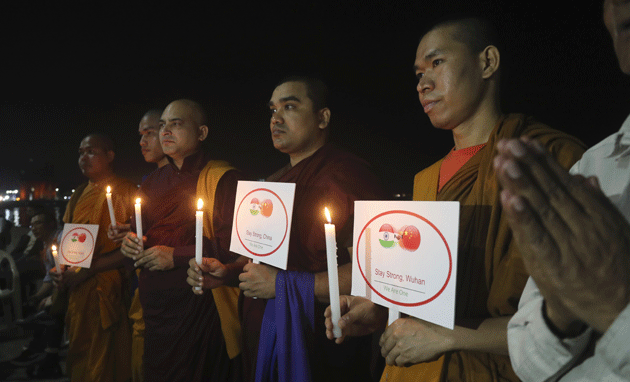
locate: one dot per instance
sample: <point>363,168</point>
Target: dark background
<point>68,71</point>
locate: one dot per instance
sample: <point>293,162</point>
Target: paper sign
<point>405,257</point>
<point>262,221</point>
<point>77,244</point>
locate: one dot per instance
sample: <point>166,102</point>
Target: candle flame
<point>327,214</point>
<point>138,201</point>
<point>109,190</point>
<point>54,248</point>
<point>199,204</point>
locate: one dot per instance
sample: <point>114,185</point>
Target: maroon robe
<point>183,338</point>
<point>335,179</point>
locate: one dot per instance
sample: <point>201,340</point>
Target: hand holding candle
<point>108,195</point>
<point>333,278</point>
<point>56,259</point>
<point>139,222</point>
<point>199,234</point>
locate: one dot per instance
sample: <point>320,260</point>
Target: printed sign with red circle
<point>262,221</point>
<point>394,272</point>
<point>77,244</point>
<point>405,257</point>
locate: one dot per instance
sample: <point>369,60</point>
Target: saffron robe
<point>183,339</point>
<point>490,271</point>
<point>335,179</point>
<point>98,328</point>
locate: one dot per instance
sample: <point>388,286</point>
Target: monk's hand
<point>74,276</point>
<point>409,341</point>
<point>258,280</point>
<point>131,246</point>
<point>57,277</point>
<point>118,233</point>
<point>209,274</point>
<point>359,317</point>
<point>574,242</point>
<point>156,258</point>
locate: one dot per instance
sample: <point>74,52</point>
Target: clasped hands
<point>574,241</point>
<point>156,258</point>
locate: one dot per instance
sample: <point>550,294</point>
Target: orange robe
<point>491,274</point>
<point>98,328</point>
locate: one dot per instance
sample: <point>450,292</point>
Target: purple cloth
<point>283,351</point>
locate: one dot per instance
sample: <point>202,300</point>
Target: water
<point>16,212</point>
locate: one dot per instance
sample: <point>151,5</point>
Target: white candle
<point>139,222</point>
<point>199,234</point>
<point>54,253</point>
<point>112,217</point>
<point>333,278</point>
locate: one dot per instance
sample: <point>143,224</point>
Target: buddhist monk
<point>149,129</point>
<point>99,332</point>
<point>457,66</point>
<point>183,338</point>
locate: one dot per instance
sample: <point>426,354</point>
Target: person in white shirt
<point>573,322</point>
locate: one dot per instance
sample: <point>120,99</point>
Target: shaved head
<point>102,141</point>
<point>153,113</point>
<point>198,114</point>
<point>475,33</point>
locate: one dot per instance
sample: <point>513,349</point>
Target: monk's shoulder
<point>564,147</point>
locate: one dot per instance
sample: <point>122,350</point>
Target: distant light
<point>56,190</point>
<point>73,190</point>
<point>17,199</point>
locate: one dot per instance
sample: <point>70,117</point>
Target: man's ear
<point>489,60</point>
<point>203,132</point>
<point>324,118</point>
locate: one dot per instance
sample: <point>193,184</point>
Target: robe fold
<point>137,337</point>
<point>225,297</point>
<point>183,339</point>
<point>98,329</point>
<point>491,274</point>
<point>335,179</point>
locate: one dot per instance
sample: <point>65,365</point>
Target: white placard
<point>76,248</point>
<point>262,221</point>
<point>405,257</point>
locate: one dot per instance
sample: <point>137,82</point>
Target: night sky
<point>68,72</point>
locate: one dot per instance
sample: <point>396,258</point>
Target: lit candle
<point>112,217</point>
<point>56,260</point>
<point>333,278</point>
<point>199,234</point>
<point>139,222</point>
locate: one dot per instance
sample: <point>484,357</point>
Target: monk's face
<point>450,82</point>
<point>617,20</point>
<point>295,126</point>
<point>181,131</point>
<point>149,138</point>
<point>94,159</point>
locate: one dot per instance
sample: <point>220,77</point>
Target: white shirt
<point>535,352</point>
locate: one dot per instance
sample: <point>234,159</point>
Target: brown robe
<point>335,179</point>
<point>183,339</point>
<point>491,274</point>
